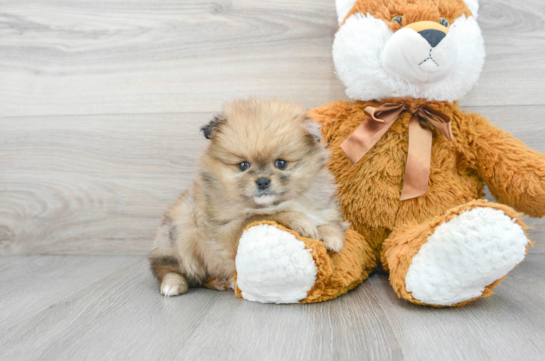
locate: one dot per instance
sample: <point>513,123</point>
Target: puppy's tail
<point>162,265</point>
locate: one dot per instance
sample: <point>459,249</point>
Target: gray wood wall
<point>101,101</point>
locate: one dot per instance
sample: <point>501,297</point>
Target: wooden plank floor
<point>109,308</point>
<point>100,106</point>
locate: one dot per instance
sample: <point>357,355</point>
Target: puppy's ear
<point>313,128</point>
<point>210,129</point>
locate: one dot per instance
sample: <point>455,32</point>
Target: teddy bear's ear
<point>344,7</point>
<point>210,129</point>
<point>473,5</point>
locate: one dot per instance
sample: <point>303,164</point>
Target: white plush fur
<point>365,52</point>
<point>343,8</point>
<point>464,255</point>
<point>419,63</point>
<point>273,266</point>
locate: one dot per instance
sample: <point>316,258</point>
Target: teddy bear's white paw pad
<point>273,266</point>
<point>464,255</point>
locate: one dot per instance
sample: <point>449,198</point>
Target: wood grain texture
<point>29,284</point>
<point>513,32</point>
<point>138,56</point>
<point>95,184</point>
<point>345,329</point>
<point>100,106</point>
<point>98,184</point>
<point>72,185</point>
<point>505,326</point>
<point>118,314</point>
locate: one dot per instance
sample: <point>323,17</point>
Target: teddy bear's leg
<point>277,265</point>
<point>455,258</point>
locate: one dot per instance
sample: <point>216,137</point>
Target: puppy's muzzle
<point>263,183</point>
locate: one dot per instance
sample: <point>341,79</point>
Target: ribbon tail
<point>417,170</point>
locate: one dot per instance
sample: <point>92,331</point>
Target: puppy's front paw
<point>173,284</point>
<point>305,228</point>
<point>332,237</point>
<point>333,243</point>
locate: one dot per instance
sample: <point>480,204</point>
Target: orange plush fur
<point>369,191</point>
<point>412,10</point>
<point>390,232</point>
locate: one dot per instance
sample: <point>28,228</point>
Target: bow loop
<point>386,113</point>
<point>380,119</point>
<point>434,118</point>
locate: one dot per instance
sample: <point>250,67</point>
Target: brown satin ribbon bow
<point>417,170</point>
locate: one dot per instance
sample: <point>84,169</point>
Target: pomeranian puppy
<point>264,162</point>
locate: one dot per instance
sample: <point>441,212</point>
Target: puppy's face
<point>262,152</point>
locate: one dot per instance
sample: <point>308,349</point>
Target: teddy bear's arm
<point>514,173</point>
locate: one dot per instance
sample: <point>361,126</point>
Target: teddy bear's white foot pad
<point>464,255</point>
<point>273,266</point>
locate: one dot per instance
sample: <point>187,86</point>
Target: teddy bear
<point>410,167</point>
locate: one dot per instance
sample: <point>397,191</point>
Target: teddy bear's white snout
<point>419,57</point>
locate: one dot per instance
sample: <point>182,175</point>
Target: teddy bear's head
<point>430,49</point>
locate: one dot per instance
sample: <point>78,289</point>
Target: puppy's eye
<point>280,164</point>
<point>243,166</point>
<point>444,22</point>
<point>398,19</point>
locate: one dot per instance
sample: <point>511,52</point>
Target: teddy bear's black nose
<point>263,183</point>
<point>432,36</point>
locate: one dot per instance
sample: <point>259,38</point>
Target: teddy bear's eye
<point>397,19</point>
<point>444,22</point>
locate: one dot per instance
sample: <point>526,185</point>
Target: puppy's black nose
<point>432,36</point>
<point>263,183</point>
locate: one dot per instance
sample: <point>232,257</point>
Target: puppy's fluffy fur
<point>198,237</point>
